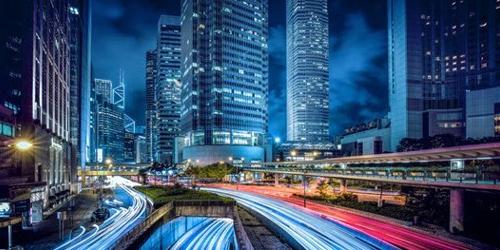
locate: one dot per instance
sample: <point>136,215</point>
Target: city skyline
<point>345,43</point>
<point>391,113</point>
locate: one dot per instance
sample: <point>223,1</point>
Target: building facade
<point>128,123</point>
<point>118,96</point>
<point>35,86</point>
<point>129,154</point>
<point>437,50</point>
<point>307,71</point>
<point>373,137</point>
<point>110,133</point>
<point>483,112</point>
<point>108,123</point>
<point>103,90</point>
<point>304,151</point>
<point>224,79</point>
<point>150,103</point>
<point>140,149</point>
<point>79,40</point>
<point>167,87</point>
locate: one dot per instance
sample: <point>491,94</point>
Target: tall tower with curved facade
<point>224,75</point>
<point>307,70</point>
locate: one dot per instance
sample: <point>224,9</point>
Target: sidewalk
<point>45,234</point>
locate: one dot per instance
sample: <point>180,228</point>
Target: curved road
<point>310,230</point>
<point>210,234</point>
<point>122,220</point>
<point>393,233</point>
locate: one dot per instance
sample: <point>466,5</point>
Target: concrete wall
<point>163,215</point>
<point>203,210</point>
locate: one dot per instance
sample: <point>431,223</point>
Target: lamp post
<point>293,153</point>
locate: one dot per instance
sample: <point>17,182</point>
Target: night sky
<point>123,30</point>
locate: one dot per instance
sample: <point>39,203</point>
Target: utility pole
<point>9,228</point>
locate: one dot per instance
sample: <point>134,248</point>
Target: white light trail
<point>309,230</point>
<point>118,224</point>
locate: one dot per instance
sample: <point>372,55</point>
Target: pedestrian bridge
<point>442,167</point>
<point>419,177</point>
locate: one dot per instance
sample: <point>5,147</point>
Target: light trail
<point>112,229</point>
<point>398,235</point>
<point>308,229</point>
<point>210,234</point>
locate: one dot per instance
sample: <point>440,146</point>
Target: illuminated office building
<point>307,71</point>
<point>150,103</point>
<point>439,51</point>
<point>167,88</point>
<point>224,75</point>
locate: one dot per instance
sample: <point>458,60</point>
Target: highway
<point>210,234</point>
<point>122,220</point>
<point>396,234</point>
<point>310,230</point>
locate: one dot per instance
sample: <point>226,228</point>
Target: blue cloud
<point>358,74</point>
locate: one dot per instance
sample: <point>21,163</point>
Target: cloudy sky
<point>123,30</point>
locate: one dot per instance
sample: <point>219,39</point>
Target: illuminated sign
<point>5,210</point>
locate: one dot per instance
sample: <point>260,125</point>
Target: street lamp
<point>293,153</point>
<point>23,145</point>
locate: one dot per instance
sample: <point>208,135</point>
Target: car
<point>100,214</point>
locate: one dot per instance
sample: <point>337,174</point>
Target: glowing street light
<point>108,161</point>
<point>293,153</point>
<point>23,145</point>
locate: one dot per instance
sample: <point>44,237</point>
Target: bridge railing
<point>437,175</point>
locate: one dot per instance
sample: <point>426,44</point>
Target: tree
<point>332,184</point>
<point>323,189</point>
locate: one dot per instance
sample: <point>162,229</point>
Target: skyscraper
<point>107,122</point>
<point>150,103</point>
<point>79,81</point>
<point>167,87</point>
<point>224,79</point>
<point>35,86</point>
<point>437,50</point>
<point>103,90</point>
<point>129,154</point>
<point>140,149</point>
<point>307,71</point>
<point>118,97</point>
<point>128,123</point>
<point>110,132</point>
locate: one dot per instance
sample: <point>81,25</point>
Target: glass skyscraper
<point>167,87</point>
<point>437,51</point>
<point>307,71</point>
<point>150,103</point>
<point>224,79</point>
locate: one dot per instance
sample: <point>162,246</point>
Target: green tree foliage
<point>323,189</point>
<point>215,171</point>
